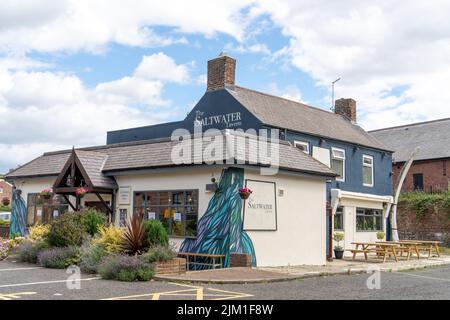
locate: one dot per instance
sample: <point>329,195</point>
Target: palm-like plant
<point>134,235</point>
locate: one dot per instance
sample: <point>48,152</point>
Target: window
<point>1,190</point>
<point>41,210</point>
<point>369,220</point>
<point>338,163</point>
<point>339,219</point>
<point>177,210</point>
<point>123,217</point>
<point>367,171</point>
<point>302,145</point>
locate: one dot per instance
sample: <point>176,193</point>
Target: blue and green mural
<point>220,229</point>
<point>18,226</point>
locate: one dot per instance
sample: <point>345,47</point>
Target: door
<point>418,181</point>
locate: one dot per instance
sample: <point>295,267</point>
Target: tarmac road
<point>24,281</point>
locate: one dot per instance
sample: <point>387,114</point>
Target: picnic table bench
<point>426,245</point>
<point>216,260</point>
<point>381,249</point>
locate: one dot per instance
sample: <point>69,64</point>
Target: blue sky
<point>73,69</point>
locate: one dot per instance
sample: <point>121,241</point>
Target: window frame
<point>170,206</point>
<point>373,216</point>
<point>333,157</point>
<point>303,143</point>
<point>34,200</point>
<point>366,156</point>
<point>343,217</point>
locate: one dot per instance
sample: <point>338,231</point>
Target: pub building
<point>332,176</point>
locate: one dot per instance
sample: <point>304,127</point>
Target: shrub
<point>338,237</point>
<point>39,232</point>
<point>110,239</point>
<point>125,268</point>
<point>4,223</point>
<point>134,236</point>
<point>91,256</point>
<point>93,220</point>
<point>68,230</point>
<point>5,247</point>
<point>380,235</point>
<point>28,251</point>
<point>158,253</point>
<point>155,233</point>
<point>6,201</point>
<point>59,258</point>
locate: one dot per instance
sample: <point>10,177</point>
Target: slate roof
<point>157,153</point>
<point>93,163</point>
<point>295,116</point>
<point>433,138</point>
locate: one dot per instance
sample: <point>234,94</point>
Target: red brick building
<point>430,171</point>
<point>5,190</point>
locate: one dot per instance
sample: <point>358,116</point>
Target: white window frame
<point>366,156</point>
<point>304,144</point>
<point>333,149</point>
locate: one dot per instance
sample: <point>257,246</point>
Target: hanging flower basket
<point>244,193</point>
<point>46,193</point>
<point>81,192</point>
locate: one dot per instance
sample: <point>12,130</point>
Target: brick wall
<point>435,173</point>
<point>221,73</point>
<point>174,266</point>
<point>5,190</point>
<point>240,260</point>
<point>434,225</point>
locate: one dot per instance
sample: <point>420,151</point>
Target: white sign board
<point>124,195</point>
<point>151,215</point>
<point>260,209</point>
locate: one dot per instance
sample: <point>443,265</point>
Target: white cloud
<point>90,25</point>
<point>290,92</point>
<point>377,49</point>
<point>42,111</point>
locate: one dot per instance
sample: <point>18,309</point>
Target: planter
<point>174,266</point>
<point>338,254</point>
<point>46,196</point>
<point>244,195</point>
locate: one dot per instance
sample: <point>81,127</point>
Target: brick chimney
<point>221,72</point>
<point>346,108</point>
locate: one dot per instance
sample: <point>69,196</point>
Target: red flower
<point>245,190</point>
<point>81,191</point>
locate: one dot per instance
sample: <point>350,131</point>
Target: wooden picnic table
<point>381,249</point>
<point>195,255</point>
<point>427,245</point>
<point>405,247</point>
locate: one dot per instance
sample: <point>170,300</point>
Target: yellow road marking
<point>194,291</point>
<point>17,295</point>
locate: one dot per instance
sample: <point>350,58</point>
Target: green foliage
<point>110,239</point>
<point>28,251</point>
<point>59,258</point>
<point>5,208</point>
<point>68,230</point>
<point>134,236</point>
<point>380,235</point>
<point>125,268</point>
<point>423,202</point>
<point>158,253</point>
<point>39,232</point>
<point>155,233</point>
<point>93,220</point>
<point>338,237</point>
<point>4,223</point>
<point>91,256</point>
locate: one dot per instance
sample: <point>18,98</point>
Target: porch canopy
<point>84,169</point>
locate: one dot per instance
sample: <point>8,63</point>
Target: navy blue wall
<point>142,133</point>
<point>353,165</point>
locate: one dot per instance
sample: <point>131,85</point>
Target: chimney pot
<point>346,108</point>
<point>221,72</point>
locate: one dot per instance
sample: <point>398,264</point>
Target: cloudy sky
<point>70,70</point>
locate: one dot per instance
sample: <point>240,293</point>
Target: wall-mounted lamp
<point>391,174</point>
<point>213,186</point>
<point>321,141</point>
<point>355,148</point>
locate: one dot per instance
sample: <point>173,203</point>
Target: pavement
<point>276,274</point>
<point>24,281</point>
